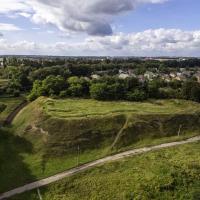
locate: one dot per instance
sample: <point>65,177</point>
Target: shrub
<point>136,95</point>
<point>2,107</point>
<point>63,94</point>
<point>99,91</point>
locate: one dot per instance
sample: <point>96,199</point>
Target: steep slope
<point>59,127</point>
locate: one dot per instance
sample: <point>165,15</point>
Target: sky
<point>100,27</point>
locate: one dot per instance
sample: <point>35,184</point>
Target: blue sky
<point>100,27</point>
<point>180,14</point>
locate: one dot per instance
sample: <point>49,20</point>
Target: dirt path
<point>14,113</point>
<point>120,132</point>
<point>81,168</point>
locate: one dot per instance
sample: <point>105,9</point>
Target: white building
<point>1,62</point>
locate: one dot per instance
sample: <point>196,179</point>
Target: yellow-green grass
<point>167,174</point>
<point>11,103</point>
<point>77,108</point>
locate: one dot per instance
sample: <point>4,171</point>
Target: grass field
<point>77,108</point>
<point>11,103</point>
<point>52,139</point>
<point>172,173</point>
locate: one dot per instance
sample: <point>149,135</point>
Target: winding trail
<point>14,113</point>
<point>81,168</point>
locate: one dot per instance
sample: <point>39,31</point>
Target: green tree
<point>136,95</point>
<point>52,85</point>
<point>98,91</point>
<point>191,91</point>
<point>2,107</point>
<point>78,87</point>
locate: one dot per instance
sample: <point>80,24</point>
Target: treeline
<point>113,88</point>
<point>39,77</point>
<point>21,78</point>
<point>39,62</point>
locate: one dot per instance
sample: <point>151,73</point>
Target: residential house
<point>180,77</point>
<point>165,77</point>
<point>95,76</point>
<point>150,75</point>
<point>172,75</point>
<point>124,75</point>
<point>197,76</point>
<point>141,78</point>
<point>2,62</point>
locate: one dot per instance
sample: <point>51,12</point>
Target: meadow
<point>77,108</point>
<point>47,139</point>
<point>172,173</point>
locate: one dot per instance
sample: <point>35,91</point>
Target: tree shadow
<point>13,171</point>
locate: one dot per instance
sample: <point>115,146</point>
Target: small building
<point>95,76</point>
<point>2,62</point>
<point>197,76</point>
<point>124,75</point>
<point>180,77</point>
<point>165,77</point>
<point>173,75</point>
<point>141,78</point>
<point>150,75</point>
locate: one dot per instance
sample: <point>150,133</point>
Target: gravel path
<point>81,168</point>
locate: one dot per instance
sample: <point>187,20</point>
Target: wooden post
<point>179,131</point>
<point>78,152</point>
<point>38,191</point>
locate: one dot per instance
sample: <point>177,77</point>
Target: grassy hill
<point>60,131</point>
<point>60,126</point>
<point>172,173</point>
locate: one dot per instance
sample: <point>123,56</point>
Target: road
<point>81,168</point>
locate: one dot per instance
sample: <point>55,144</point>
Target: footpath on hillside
<point>14,113</point>
<point>86,166</point>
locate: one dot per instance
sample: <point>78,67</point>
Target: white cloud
<point>9,6</point>
<point>8,27</point>
<point>147,43</point>
<point>25,14</point>
<point>91,16</point>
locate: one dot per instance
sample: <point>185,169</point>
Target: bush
<point>168,93</point>
<point>191,91</point>
<point>98,91</point>
<point>2,107</point>
<point>136,95</point>
<point>16,93</point>
<point>63,94</point>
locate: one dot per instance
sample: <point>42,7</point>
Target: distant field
<point>172,173</point>
<point>80,108</point>
<point>11,104</point>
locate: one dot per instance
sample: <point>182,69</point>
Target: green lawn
<point>11,103</point>
<point>77,108</point>
<point>167,174</point>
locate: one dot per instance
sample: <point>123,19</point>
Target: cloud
<point>157,42</point>
<point>1,34</point>
<point>8,27</point>
<point>93,17</point>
